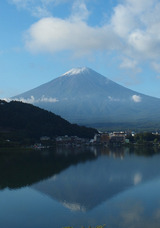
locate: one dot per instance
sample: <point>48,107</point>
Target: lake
<point>119,187</point>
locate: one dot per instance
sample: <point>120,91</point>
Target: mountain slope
<point>26,120</point>
<point>83,96</point>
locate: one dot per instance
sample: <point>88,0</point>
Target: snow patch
<point>75,71</point>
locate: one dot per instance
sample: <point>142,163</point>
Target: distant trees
<point>146,138</point>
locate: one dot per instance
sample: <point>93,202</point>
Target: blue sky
<point>42,39</point>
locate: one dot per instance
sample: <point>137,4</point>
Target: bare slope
<point>84,96</point>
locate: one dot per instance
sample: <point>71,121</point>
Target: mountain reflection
<point>85,186</point>
<point>79,179</point>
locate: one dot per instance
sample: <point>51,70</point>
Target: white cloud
<point>33,100</point>
<point>132,30</point>
<point>41,8</point>
<point>79,11</point>
<point>128,63</point>
<point>156,66</point>
<point>122,21</point>
<point>113,99</point>
<point>136,98</point>
<point>54,34</point>
<point>137,24</point>
<point>47,99</point>
<point>20,3</point>
<point>38,8</point>
<point>40,12</point>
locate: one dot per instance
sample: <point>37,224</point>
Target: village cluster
<point>104,139</point>
<point>99,139</point>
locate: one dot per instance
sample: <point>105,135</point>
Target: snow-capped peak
<point>75,71</point>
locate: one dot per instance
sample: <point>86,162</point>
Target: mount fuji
<point>84,96</point>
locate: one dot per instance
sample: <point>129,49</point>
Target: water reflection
<point>85,186</point>
<point>19,168</point>
<point>118,187</point>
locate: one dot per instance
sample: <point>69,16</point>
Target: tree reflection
<point>19,168</point>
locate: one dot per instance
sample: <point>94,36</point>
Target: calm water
<point>117,187</point>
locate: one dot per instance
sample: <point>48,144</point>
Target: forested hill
<point>25,120</point>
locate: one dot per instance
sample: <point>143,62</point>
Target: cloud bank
<point>132,31</point>
<point>33,100</point>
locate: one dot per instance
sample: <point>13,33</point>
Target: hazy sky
<point>42,39</point>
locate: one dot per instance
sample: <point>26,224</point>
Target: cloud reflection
<point>137,178</point>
